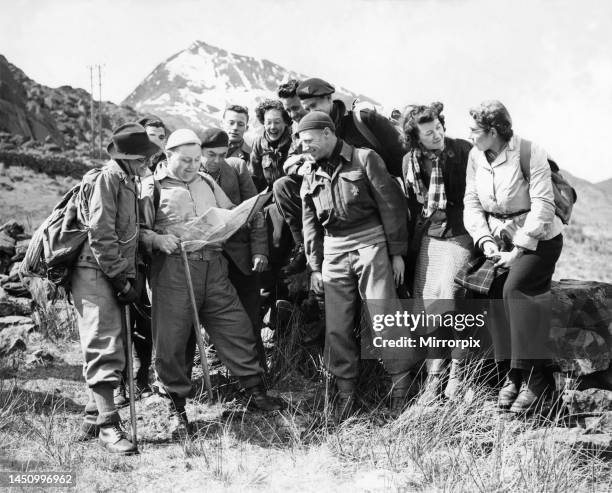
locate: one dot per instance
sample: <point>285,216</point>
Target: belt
<point>510,215</point>
<point>203,254</point>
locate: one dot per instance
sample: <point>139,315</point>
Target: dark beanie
<point>214,137</point>
<point>316,120</point>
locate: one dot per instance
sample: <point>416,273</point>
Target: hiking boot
<point>120,396</point>
<point>158,388</point>
<point>180,427</point>
<point>259,399</point>
<point>345,406</point>
<point>297,261</point>
<point>532,390</point>
<point>87,431</point>
<point>509,391</point>
<point>142,391</point>
<point>114,439</point>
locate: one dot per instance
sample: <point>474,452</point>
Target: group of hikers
<point>370,208</point>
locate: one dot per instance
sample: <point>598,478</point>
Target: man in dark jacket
<point>355,233</point>
<point>316,95</point>
<point>103,280</point>
<point>247,250</point>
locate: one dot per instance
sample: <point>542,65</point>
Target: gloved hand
<point>129,297</point>
<point>124,289</point>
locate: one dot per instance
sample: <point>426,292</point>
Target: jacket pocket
<point>322,199</point>
<point>353,188</point>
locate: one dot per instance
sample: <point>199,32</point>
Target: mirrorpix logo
<point>390,327</point>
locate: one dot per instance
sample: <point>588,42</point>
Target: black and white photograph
<point>305,246</point>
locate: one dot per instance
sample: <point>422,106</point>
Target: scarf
<point>433,198</point>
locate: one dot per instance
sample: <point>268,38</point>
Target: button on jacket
<point>113,223</point>
<point>360,195</point>
<point>500,188</point>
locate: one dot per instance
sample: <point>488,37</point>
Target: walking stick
<point>196,324</point>
<point>127,328</point>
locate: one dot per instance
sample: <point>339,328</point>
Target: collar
<point>124,174</point>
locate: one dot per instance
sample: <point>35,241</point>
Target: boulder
<point>13,320</point>
<point>10,305</point>
<point>599,424</point>
<point>12,228</point>
<point>589,401</point>
<point>581,326</point>
<point>7,244</point>
<point>21,247</point>
<point>13,338</point>
<point>17,289</point>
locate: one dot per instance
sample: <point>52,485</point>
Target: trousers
<point>348,278</point>
<point>220,312</point>
<point>100,329</point>
<point>521,307</point>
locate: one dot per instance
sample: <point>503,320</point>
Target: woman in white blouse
<point>512,220</point>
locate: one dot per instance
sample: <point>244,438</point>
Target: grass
<point>461,445</point>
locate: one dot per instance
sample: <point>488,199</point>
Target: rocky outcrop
<point>51,120</point>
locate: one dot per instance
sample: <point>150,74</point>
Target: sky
<point>549,62</point>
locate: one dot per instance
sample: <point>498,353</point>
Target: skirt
<point>437,265</point>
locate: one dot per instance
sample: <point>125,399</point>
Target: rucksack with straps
<point>565,194</point>
<point>55,245</point>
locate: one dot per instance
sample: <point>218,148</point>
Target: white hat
<point>182,136</point>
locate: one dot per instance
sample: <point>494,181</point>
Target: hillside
<point>193,86</point>
<point>37,117</point>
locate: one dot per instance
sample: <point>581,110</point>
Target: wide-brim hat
<point>130,141</point>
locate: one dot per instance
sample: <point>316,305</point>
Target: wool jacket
<point>235,180</point>
<point>360,195</point>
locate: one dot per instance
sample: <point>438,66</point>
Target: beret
<point>181,137</point>
<point>314,88</point>
<point>214,137</point>
<point>316,120</point>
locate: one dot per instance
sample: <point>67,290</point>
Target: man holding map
<point>181,205</point>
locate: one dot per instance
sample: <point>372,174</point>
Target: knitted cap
<point>181,137</point>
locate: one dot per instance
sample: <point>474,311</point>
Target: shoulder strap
<point>209,180</point>
<point>156,194</point>
<point>525,159</point>
<point>365,131</point>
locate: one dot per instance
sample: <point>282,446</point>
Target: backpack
<point>57,242</point>
<point>565,194</point>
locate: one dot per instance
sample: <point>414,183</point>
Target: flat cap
<point>214,137</point>
<point>181,137</point>
<point>314,88</point>
<point>316,120</point>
